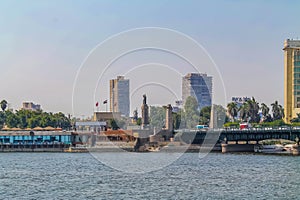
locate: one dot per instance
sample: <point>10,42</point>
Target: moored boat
<point>76,150</point>
<point>271,148</point>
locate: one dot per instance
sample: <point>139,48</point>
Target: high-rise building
<point>291,79</point>
<point>199,86</point>
<point>119,95</point>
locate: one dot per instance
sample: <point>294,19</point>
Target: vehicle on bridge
<point>245,125</point>
<point>202,127</point>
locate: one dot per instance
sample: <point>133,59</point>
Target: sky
<point>43,44</point>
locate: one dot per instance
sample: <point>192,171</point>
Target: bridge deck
<point>237,135</point>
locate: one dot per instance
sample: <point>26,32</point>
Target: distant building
<point>31,106</point>
<point>240,100</point>
<point>119,95</point>
<point>177,106</point>
<point>199,86</point>
<point>106,116</point>
<point>291,79</point>
<point>90,126</point>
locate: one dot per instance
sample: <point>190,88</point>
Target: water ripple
<point>217,176</point>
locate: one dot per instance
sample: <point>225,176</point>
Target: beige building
<point>119,95</point>
<point>31,106</point>
<point>106,116</point>
<point>291,79</point>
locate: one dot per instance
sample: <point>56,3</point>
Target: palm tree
<point>249,111</point>
<point>265,112</point>
<point>281,111</point>
<point>232,110</point>
<point>278,111</point>
<point>244,111</point>
<point>3,104</point>
<point>264,109</point>
<point>296,119</point>
<point>253,109</point>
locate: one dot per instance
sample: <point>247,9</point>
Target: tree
<point>46,120</point>
<point>11,119</point>
<point>264,109</point>
<point>191,105</point>
<point>249,111</point>
<point>113,124</point>
<point>34,121</point>
<point>244,114</point>
<point>232,110</point>
<point>265,112</point>
<point>281,111</point>
<point>191,116</point>
<point>296,119</point>
<point>177,120</point>
<point>157,117</point>
<point>2,119</point>
<point>31,119</point>
<point>253,110</point>
<point>24,116</point>
<point>205,115</point>
<point>3,104</point>
<point>278,112</point>
<point>61,120</point>
<point>219,116</point>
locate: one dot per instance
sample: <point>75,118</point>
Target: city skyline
<point>165,99</point>
<point>42,51</point>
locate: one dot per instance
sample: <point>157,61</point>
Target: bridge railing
<point>286,128</point>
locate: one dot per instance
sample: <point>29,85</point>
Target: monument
<point>135,115</point>
<point>169,118</point>
<point>145,113</point>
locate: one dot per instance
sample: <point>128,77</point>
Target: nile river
<point>216,176</point>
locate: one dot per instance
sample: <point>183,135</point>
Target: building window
<point>296,87</point>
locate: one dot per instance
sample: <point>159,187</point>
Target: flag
<point>105,102</point>
<point>97,104</point>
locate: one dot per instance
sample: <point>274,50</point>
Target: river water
<point>216,176</point>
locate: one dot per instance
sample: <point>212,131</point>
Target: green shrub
<point>232,125</point>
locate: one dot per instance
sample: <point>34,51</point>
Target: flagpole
<point>97,106</point>
<point>105,102</point>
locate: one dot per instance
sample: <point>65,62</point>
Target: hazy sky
<point>43,43</point>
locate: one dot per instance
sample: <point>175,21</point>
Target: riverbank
<point>120,149</point>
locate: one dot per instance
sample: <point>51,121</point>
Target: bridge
<point>234,140</point>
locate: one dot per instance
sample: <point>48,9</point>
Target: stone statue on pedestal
<point>135,115</point>
<point>144,99</point>
<point>145,112</point>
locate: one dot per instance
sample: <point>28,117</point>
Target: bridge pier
<point>226,148</point>
<point>296,150</point>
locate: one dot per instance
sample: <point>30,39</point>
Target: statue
<point>135,115</point>
<point>145,112</point>
<point>144,99</point>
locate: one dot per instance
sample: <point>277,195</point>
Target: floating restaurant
<point>37,137</point>
<point>25,140</point>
